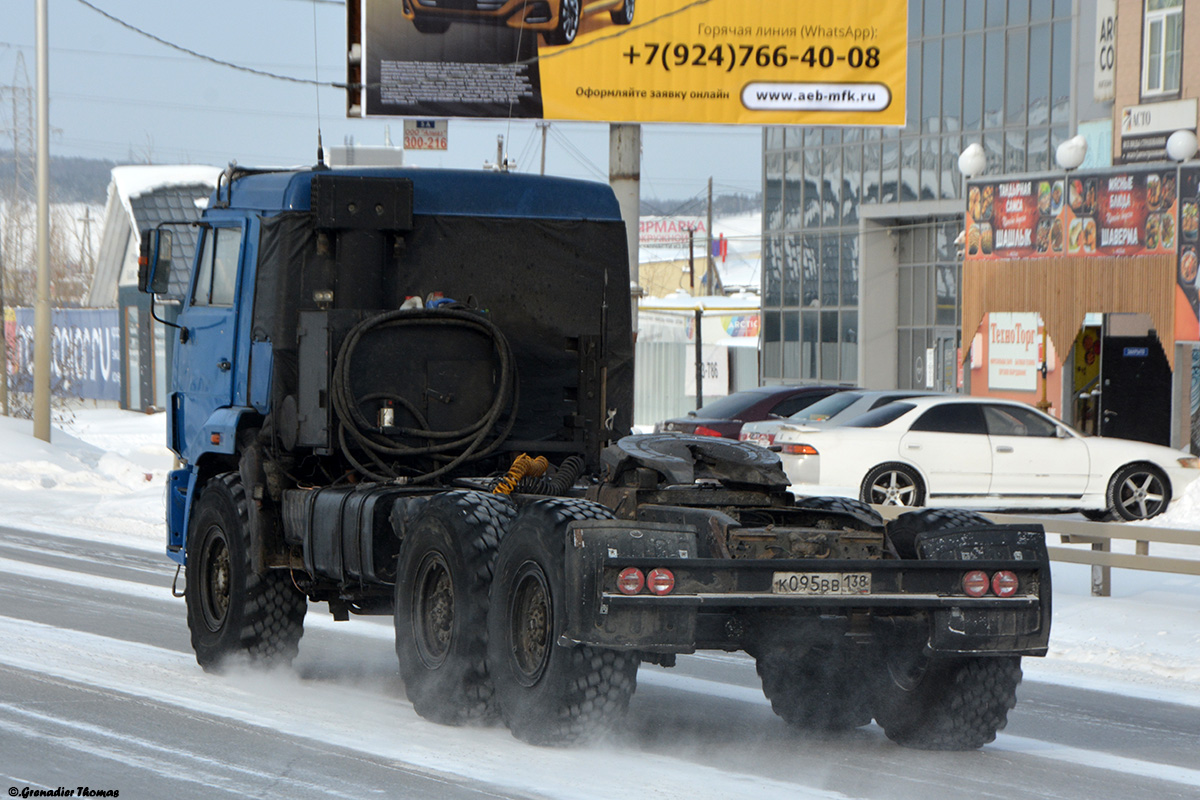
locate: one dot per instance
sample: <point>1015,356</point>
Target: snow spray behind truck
<point>404,392</point>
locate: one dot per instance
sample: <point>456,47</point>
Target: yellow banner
<point>735,61</point>
<point>760,62</point>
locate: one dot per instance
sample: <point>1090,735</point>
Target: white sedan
<point>983,453</point>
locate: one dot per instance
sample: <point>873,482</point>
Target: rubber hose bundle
<point>382,452</point>
<point>523,469</point>
<point>555,485</point>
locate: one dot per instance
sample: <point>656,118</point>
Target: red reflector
<point>976,583</point>
<point>703,431</point>
<point>1004,583</point>
<point>661,581</point>
<point>631,580</point>
<point>798,449</point>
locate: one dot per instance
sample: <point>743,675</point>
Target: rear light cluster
<point>702,430</point>
<point>798,449</point>
<point>977,583</point>
<point>659,581</point>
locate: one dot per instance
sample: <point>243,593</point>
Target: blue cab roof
<point>442,192</point>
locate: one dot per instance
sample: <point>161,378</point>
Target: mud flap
<point>1024,631</point>
<point>593,553</point>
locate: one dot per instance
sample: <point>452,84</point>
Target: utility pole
<point>545,126</point>
<point>708,248</point>
<point>625,177</point>
<point>41,325</point>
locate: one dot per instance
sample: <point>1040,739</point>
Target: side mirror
<point>154,261</point>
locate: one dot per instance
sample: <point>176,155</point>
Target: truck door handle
<point>224,365</point>
<point>1004,449</point>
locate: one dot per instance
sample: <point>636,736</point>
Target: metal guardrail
<point>1100,536</point>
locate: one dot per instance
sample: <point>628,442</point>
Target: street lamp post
<point>972,161</point>
<point>1069,155</point>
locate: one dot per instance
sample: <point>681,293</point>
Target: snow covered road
<point>98,687</point>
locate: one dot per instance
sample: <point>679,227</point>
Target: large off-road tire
<point>549,694</point>
<point>1138,491</point>
<point>893,484</point>
<point>948,703</point>
<point>818,687</point>
<point>903,530</point>
<point>231,609</point>
<point>442,580</point>
<point>570,14</point>
<point>935,703</point>
<point>844,505</point>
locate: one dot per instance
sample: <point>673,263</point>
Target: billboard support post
<point>625,175</point>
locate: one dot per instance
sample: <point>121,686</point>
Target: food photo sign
<point>1117,214</point>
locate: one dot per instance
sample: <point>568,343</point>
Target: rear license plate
<point>821,583</point>
<point>760,439</point>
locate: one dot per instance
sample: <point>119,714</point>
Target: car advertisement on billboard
<point>797,62</point>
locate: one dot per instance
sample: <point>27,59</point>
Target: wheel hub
<point>433,606</point>
<point>531,623</point>
<point>215,581</point>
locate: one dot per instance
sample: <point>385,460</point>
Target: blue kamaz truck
<point>407,392</point>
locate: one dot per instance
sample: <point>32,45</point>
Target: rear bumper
<point>722,602</point>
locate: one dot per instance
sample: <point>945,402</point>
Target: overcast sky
<point>116,94</point>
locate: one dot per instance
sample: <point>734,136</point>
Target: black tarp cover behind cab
<point>549,285</point>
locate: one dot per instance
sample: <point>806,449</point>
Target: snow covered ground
<point>103,475</point>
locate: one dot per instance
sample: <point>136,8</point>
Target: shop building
<point>867,276</point>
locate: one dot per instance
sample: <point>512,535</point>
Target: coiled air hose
<point>386,457</point>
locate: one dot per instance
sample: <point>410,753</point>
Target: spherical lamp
<point>1181,145</point>
<point>1071,153</point>
<point>972,161</point>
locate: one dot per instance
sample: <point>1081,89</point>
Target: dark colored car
<point>724,416</point>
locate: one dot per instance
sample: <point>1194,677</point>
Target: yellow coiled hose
<point>522,467</point>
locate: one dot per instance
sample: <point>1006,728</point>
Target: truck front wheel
<point>230,608</point>
<point>442,580</point>
<point>549,693</point>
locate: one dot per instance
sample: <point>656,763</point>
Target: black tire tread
<point>903,530</point>
<point>600,681</point>
<point>960,705</point>
<point>843,505</point>
<point>272,610</point>
<point>813,689</point>
<point>468,696</point>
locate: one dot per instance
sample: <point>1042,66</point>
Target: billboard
<point>1110,214</point>
<point>781,62</point>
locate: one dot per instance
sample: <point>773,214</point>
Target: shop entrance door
<point>1135,393</point>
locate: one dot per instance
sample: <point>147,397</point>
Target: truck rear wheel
<point>549,693</point>
<point>948,703</point>
<point>230,608</point>
<point>442,581</point>
<point>941,703</point>
<point>815,688</point>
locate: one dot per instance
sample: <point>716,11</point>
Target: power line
<point>625,31</point>
<point>203,57</point>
